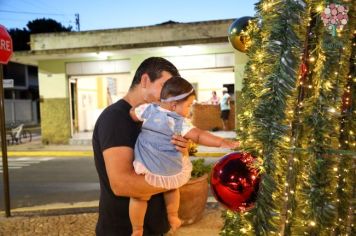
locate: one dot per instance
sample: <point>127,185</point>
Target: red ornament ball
<point>234,182</point>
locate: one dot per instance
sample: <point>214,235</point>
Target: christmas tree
<point>298,116</point>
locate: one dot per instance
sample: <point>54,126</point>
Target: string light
<point>319,8</point>
<point>309,80</point>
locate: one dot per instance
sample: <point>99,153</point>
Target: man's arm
<point>122,177</point>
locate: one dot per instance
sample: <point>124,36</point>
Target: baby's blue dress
<point>155,156</point>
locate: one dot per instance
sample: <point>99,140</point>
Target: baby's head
<point>177,95</point>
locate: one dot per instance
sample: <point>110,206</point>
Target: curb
<point>86,154</point>
<point>50,153</point>
<point>209,154</point>
<point>55,212</point>
<point>73,211</point>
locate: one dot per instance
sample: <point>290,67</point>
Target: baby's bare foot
<point>174,221</point>
<point>137,232</point>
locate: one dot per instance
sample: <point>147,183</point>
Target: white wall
<point>209,80</point>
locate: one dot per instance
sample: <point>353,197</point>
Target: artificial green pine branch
<point>345,190</point>
<point>322,121</point>
<point>270,113</point>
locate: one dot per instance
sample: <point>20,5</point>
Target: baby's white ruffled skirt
<point>166,182</point>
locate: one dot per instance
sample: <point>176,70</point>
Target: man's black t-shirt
<point>115,128</point>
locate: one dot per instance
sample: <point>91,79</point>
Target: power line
<point>9,19</point>
<point>33,4</point>
<point>46,5</point>
<point>32,13</point>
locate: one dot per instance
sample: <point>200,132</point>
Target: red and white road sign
<point>5,45</point>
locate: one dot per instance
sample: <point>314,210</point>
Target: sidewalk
<point>82,222</point>
<point>80,218</point>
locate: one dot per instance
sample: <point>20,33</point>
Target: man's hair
<point>176,86</point>
<point>153,66</point>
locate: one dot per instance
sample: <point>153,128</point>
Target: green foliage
<point>272,82</point>
<point>200,168</point>
<point>287,109</point>
<point>21,37</point>
<point>319,214</point>
<point>44,25</point>
<point>236,224</point>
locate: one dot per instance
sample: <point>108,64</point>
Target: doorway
<point>90,95</point>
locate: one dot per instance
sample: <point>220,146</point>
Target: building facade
<point>80,73</point>
<point>21,95</point>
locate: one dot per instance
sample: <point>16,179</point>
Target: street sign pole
<point>4,149</point>
<point>6,50</point>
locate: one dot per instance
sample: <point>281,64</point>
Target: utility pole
<point>77,22</point>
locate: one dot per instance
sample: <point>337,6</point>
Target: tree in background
<point>299,116</point>
<point>21,37</point>
<point>46,26</point>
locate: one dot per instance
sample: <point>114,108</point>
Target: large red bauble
<point>234,182</point>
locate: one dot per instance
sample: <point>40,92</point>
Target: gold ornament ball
<point>237,33</point>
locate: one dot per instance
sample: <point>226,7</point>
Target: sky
<point>107,14</point>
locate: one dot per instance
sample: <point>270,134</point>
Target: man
<point>225,108</point>
<point>114,138</point>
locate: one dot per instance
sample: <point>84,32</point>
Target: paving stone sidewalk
<point>83,224</point>
<point>78,222</point>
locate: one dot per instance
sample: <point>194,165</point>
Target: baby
<point>157,158</point>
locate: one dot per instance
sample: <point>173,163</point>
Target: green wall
<point>55,123</point>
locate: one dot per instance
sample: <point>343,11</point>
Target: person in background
<point>214,100</point>
<point>114,139</point>
<point>156,158</point>
<point>225,108</point>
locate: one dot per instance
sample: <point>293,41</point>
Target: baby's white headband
<point>178,97</point>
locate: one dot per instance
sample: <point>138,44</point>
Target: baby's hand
<point>227,143</point>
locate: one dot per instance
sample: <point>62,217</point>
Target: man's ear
<point>144,80</point>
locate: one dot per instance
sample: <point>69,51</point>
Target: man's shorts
<point>225,114</point>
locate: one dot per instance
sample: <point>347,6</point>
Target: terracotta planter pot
<point>193,198</point>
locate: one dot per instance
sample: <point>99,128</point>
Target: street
<point>38,181</point>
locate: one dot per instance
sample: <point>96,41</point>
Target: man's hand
<point>181,144</point>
